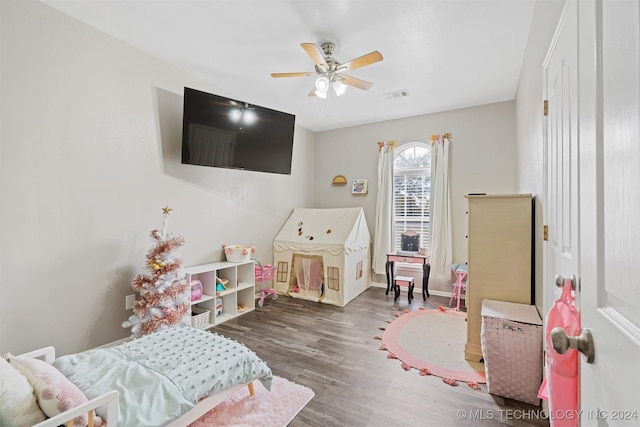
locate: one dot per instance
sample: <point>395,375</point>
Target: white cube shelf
<point>237,299</point>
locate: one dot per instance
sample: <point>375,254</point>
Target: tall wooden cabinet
<point>500,237</point>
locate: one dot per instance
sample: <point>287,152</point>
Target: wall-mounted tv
<point>227,133</point>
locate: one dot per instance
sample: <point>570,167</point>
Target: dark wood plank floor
<point>332,350</point>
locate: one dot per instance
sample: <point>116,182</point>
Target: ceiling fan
<point>330,72</point>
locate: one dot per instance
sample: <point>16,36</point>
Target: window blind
<point>412,191</point>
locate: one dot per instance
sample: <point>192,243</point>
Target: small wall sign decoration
<point>359,186</point>
<point>339,180</point>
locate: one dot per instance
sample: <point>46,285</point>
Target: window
<point>283,270</point>
<point>333,278</point>
<point>412,191</point>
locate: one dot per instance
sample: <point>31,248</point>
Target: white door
<point>609,161</point>
<point>562,248</point>
<point>593,194</point>
<point>561,152</point>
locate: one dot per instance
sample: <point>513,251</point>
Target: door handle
<point>583,343</point>
<point>560,280</point>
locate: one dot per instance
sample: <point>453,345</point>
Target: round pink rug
<point>433,340</point>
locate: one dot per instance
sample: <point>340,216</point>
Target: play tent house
<point>323,255</point>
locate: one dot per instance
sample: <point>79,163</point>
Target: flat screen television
<point>227,133</point>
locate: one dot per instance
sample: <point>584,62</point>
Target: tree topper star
<point>166,210</point>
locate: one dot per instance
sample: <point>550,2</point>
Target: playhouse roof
<point>334,230</point>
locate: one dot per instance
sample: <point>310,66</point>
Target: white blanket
<point>162,375</point>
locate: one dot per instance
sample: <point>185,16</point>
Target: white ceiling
<point>447,54</point>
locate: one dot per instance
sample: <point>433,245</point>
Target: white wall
<point>483,160</point>
<point>529,107</point>
<point>90,153</point>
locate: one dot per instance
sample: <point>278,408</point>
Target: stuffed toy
<point>54,392</point>
<point>18,405</point>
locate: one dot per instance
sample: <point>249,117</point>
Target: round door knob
<point>560,280</point>
<point>583,343</point>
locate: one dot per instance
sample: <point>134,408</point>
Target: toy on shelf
<point>242,308</point>
<point>196,289</point>
<point>218,306</point>
<point>221,284</point>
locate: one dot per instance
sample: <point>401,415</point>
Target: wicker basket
<point>511,339</point>
<point>200,317</point>
<point>238,253</point>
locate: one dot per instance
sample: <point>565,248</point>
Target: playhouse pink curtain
<point>441,246</point>
<point>384,225</point>
<point>309,274</point>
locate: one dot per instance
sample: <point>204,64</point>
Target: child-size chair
<point>407,281</point>
<point>460,285</point>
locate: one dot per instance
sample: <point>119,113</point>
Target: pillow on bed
<point>55,393</point>
<point>18,406</point>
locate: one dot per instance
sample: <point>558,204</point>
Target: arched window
<point>412,191</point>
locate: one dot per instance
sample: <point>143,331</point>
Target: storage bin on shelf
<point>238,253</point>
<point>200,317</point>
<point>511,339</point>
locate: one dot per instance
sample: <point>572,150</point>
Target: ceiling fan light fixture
<point>321,94</point>
<point>339,88</point>
<point>322,84</point>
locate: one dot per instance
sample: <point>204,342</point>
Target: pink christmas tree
<point>164,299</point>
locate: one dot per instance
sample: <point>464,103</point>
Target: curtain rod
<point>403,140</point>
<point>394,142</point>
<point>381,144</point>
<point>435,138</point>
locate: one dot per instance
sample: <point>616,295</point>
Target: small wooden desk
<point>392,258</point>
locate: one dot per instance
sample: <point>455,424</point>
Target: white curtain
<point>440,208</point>
<point>384,226</point>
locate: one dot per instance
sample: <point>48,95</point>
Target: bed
<point>168,378</point>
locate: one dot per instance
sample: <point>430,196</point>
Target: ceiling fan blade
<point>352,81</point>
<point>369,58</point>
<point>313,92</point>
<point>301,74</point>
<point>316,55</point>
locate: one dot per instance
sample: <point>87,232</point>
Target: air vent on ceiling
<point>398,94</point>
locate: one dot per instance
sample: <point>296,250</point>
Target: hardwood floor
<point>332,350</point>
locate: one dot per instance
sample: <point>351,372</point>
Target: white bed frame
<point>110,400</point>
